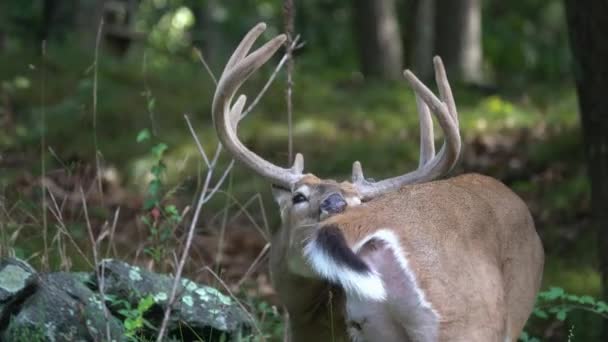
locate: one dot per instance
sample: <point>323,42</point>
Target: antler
<point>226,117</point>
<point>431,166</point>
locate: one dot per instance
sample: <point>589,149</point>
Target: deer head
<point>402,250</point>
<point>305,198</point>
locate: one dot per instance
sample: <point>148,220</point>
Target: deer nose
<point>333,204</point>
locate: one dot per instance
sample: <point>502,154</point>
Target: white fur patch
<point>389,237</point>
<point>304,190</point>
<point>364,285</point>
<point>353,201</point>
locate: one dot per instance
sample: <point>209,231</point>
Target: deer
<point>417,257</point>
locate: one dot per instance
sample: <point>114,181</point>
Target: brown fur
<point>469,239</point>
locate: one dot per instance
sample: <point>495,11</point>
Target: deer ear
<point>281,195</point>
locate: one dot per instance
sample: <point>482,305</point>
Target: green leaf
<point>159,149</point>
<point>151,104</point>
<point>586,300</point>
<point>553,293</point>
<point>145,304</point>
<point>154,187</point>
<point>143,135</point>
<point>149,203</point>
<point>540,313</point>
<point>171,210</point>
<point>124,312</point>
<point>158,169</point>
<point>145,219</point>
<point>601,306</point>
<point>561,314</point>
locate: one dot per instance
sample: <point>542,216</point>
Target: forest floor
<point>527,136</point>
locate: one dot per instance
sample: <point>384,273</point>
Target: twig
<point>219,182</point>
<point>63,229</point>
<point>289,18</point>
<point>286,328</point>
<point>255,262</point>
<point>294,45</point>
<point>238,302</point>
<point>95,71</point>
<point>100,275</point>
<point>148,93</point>
<point>201,150</point>
<point>111,245</point>
<point>45,256</point>
<point>202,59</point>
<point>220,243</point>
<point>182,261</point>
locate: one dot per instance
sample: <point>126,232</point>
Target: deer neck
<point>316,308</point>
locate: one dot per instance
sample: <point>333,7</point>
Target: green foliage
<point>557,304</point>
<point>269,320</point>
<point>526,39</point>
<point>22,19</point>
<point>160,218</point>
<point>134,321</point>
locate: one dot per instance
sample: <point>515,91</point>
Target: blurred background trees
<point>515,77</point>
<point>379,36</point>
<point>588,29</point>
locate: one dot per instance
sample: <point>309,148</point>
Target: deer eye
<point>298,198</point>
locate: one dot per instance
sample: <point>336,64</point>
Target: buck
<point>409,258</point>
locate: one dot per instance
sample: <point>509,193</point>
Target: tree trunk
<point>424,39</point>
<point>588,30</point>
<point>48,10</point>
<point>378,38</point>
<point>458,38</point>
<point>88,16</point>
<point>205,35</point>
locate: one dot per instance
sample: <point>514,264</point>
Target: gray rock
<point>62,309</point>
<point>202,310</point>
<point>17,281</point>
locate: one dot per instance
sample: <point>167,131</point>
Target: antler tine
<point>445,91</point>
<point>245,45</point>
<point>439,164</point>
<point>427,138</point>
<point>226,116</point>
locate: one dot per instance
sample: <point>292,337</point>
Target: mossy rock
<point>62,309</point>
<point>198,309</point>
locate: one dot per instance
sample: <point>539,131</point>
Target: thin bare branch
<point>255,262</point>
<point>220,181</point>
<point>95,81</point>
<point>294,45</point>
<point>225,286</point>
<point>201,150</point>
<point>64,230</point>
<point>289,20</point>
<point>199,53</point>
<point>100,276</point>
<point>45,255</point>
<point>111,245</point>
<point>184,256</point>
